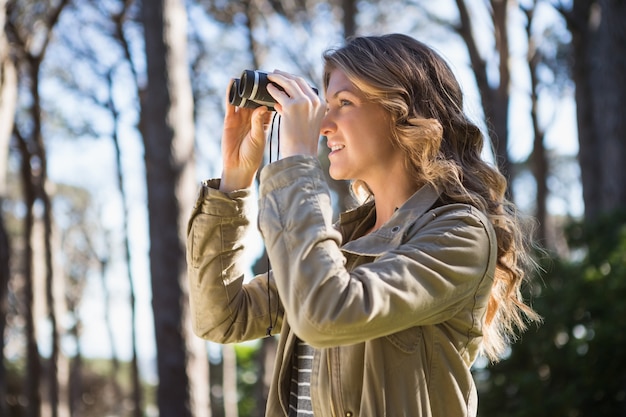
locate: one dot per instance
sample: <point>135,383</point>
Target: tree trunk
<point>349,8</point>
<point>599,38</point>
<point>538,159</point>
<point>51,302</point>
<point>167,128</point>
<point>34,180</point>
<point>114,374</point>
<point>494,99</point>
<point>8,100</point>
<point>38,166</point>
<point>136,392</point>
<point>33,364</point>
<point>229,380</point>
<point>4,284</point>
<point>266,356</point>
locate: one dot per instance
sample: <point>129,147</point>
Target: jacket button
<point>395,229</point>
<point>349,414</point>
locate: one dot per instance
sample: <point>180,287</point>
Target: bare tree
<point>118,19</point>
<point>77,259</point>
<point>494,95</point>
<point>599,64</point>
<point>20,28</point>
<point>136,385</point>
<point>349,12</point>
<point>168,133</point>
<point>8,100</point>
<point>539,159</point>
<point>33,364</point>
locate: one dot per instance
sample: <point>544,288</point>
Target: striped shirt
<point>300,392</point>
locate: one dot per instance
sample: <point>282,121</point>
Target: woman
<point>384,313</point>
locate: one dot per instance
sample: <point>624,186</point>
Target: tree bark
<point>34,180</point>
<point>4,284</point>
<point>349,8</point>
<point>538,158</point>
<point>137,394</point>
<point>33,364</point>
<point>598,40</point>
<point>167,128</point>
<point>229,380</point>
<point>8,100</point>
<point>266,356</point>
<point>38,166</point>
<point>494,98</point>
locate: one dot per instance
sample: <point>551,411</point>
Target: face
<point>358,134</point>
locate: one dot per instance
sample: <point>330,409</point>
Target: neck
<point>387,199</point>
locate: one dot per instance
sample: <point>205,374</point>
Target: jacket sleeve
<point>443,265</point>
<point>223,308</point>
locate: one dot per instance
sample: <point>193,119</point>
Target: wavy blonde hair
<point>443,147</point>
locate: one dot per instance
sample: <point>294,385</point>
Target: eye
<point>344,102</point>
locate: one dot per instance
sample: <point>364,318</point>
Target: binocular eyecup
<point>250,90</point>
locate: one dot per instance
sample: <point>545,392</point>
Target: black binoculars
<point>251,90</point>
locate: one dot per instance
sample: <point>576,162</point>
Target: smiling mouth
<point>336,148</point>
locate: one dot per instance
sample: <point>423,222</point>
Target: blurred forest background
<point>110,113</point>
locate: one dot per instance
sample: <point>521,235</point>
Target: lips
<point>336,147</point>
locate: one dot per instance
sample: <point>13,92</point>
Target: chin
<point>336,175</point>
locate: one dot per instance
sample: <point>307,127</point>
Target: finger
<point>302,84</point>
<point>260,114</point>
<point>260,118</point>
<point>280,96</point>
<point>267,117</point>
<point>285,81</point>
<point>292,84</point>
<point>229,107</point>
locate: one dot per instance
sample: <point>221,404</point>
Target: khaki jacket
<point>395,315</point>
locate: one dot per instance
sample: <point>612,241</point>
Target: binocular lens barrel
<point>251,90</point>
<point>253,85</point>
<point>237,99</point>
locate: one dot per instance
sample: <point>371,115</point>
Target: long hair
<point>443,148</point>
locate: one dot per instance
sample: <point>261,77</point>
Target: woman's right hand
<point>243,144</point>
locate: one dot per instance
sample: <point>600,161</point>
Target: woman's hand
<point>243,144</point>
<point>301,110</point>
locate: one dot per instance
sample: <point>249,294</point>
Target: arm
<point>440,267</point>
<point>223,308</point>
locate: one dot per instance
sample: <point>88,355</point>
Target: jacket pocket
<point>407,340</point>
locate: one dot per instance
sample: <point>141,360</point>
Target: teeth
<point>336,147</point>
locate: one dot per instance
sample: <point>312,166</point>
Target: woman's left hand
<point>301,110</point>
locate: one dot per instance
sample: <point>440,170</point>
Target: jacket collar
<point>391,233</point>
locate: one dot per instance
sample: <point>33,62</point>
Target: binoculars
<point>251,90</point>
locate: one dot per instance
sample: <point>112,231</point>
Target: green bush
<point>574,364</point>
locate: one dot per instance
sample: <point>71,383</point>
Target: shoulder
<point>461,212</point>
<point>456,225</point>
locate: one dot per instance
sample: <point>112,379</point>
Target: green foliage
<point>247,376</point>
<point>574,363</point>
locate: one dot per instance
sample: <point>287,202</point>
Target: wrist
<point>299,149</point>
<point>235,180</point>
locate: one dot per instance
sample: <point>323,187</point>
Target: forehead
<point>338,82</point>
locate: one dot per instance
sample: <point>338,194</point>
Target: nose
<point>328,125</point>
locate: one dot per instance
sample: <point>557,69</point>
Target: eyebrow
<point>343,90</point>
